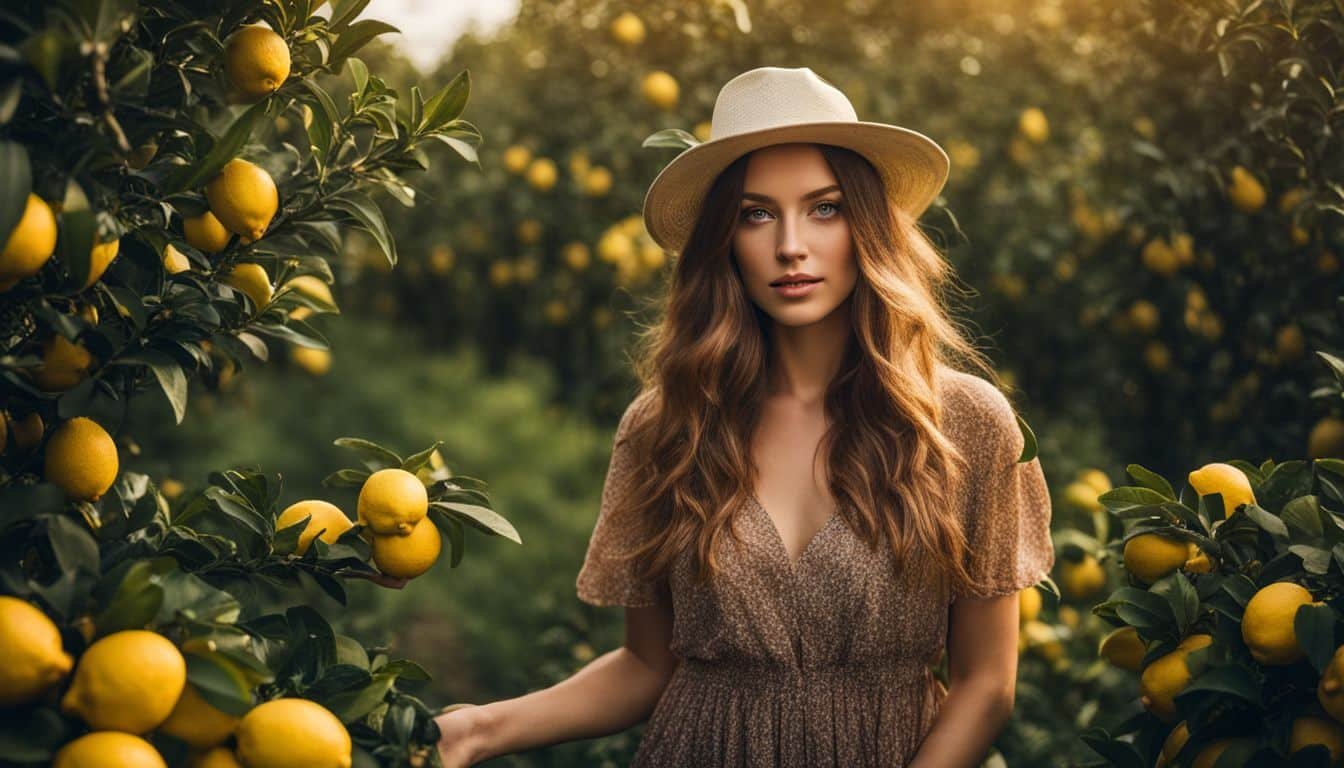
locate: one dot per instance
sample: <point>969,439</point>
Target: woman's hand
<point>457,735</point>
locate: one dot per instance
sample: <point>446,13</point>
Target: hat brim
<point>912,166</point>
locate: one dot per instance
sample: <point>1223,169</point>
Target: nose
<point>790,245</point>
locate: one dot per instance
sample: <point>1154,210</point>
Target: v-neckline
<point>779,538</point>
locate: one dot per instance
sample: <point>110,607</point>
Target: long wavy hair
<point>700,368</point>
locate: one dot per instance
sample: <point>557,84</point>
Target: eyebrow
<point>808,196</point>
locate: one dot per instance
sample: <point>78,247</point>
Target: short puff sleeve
<point>1006,513</point>
<point>603,579</point>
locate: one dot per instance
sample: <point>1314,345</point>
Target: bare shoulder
<point>976,410</point>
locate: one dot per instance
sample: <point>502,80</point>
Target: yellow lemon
<point>1144,316</point>
<point>108,749</point>
<point>1326,439</point>
<point>197,721</point>
<point>660,89</point>
<point>516,159</point>
<point>81,458</point>
<point>219,757</point>
<point>1173,744</point>
<point>1157,356</point>
<point>704,130</point>
<point>205,233</point>
<point>30,243</point>
<point>244,198</point>
<point>1069,616</point>
<point>1309,731</point>
<point>1330,689</point>
<point>1042,639</point>
<point>30,644</point>
<point>99,258</point>
<point>1082,495</point>
<point>252,280</point>
<point>27,432</point>
<point>615,246</point>
<point>392,501</point>
<point>174,261</point>
<point>1150,556</point>
<point>541,173</point>
<point>314,362</point>
<point>1199,562</point>
<point>256,61</point>
<point>1097,479</point>
<point>1028,604</point>
<point>652,256</point>
<point>1225,479</point>
<point>529,231</point>
<point>1158,257</point>
<point>1267,624</point>
<point>293,733</point>
<point>1083,579</point>
<point>597,182</point>
<point>1033,125</point>
<point>1124,648</point>
<point>1167,676</point>
<point>627,29</point>
<point>1245,191</point>
<point>1289,342</point>
<point>1290,199</point>
<point>576,256</point>
<point>405,557</point>
<point>326,517</point>
<point>65,363</point>
<point>127,681</point>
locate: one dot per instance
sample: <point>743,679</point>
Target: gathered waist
<point>783,675</point>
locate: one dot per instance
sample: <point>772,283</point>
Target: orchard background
<point>445,276</point>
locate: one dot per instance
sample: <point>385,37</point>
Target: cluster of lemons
<point>32,243</point>
<point>393,508</point>
<point>80,457</point>
<point>133,682</point>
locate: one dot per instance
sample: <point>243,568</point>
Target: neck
<point>804,359</point>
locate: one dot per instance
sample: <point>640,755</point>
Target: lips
<point>796,280</point>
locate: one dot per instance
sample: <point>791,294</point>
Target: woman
<point>807,503</point>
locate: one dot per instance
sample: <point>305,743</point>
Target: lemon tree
<point>174,185</point>
<point>1235,653</point>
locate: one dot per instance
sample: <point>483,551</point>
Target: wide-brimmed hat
<point>779,105</point>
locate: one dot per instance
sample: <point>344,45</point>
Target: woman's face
<point>792,220</point>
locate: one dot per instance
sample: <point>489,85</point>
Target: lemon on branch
<point>391,502</point>
<point>244,198</point>
<point>405,557</point>
<point>327,521</point>
<point>108,749</point>
<point>293,733</point>
<point>30,244</point>
<point>1167,676</point>
<point>205,233</point>
<point>252,280</point>
<point>81,458</point>
<point>1224,479</point>
<point>256,61</point>
<point>1267,623</point>
<point>127,681</point>
<point>30,644</point>
<point>197,722</point>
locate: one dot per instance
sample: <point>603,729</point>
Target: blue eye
<point>746,214</point>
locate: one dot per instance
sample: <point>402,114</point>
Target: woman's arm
<point>613,692</point>
<point>982,673</point>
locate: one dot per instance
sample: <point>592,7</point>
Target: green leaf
<point>360,73</point>
<point>1125,498</point>
<point>74,247</point>
<point>351,706</point>
<point>417,461</point>
<point>1314,626</point>
<point>16,182</point>
<point>1149,479</point>
<point>373,455</point>
<point>1231,679</point>
<point>344,11</point>
<point>674,138</point>
<point>1028,441</point>
<point>369,217</point>
<point>345,478</point>
<point>219,682</point>
<point>172,380</point>
<point>1180,595</point>
<point>483,518</point>
<point>447,105</point>
<point>354,37</point>
<point>224,150</point>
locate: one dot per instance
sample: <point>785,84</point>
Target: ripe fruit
<point>312,287</point>
<point>1267,624</point>
<point>1124,648</point>
<point>293,733</point>
<point>1041,639</point>
<point>81,458</point>
<point>65,363</point>
<point>127,681</point>
<point>1167,676</point>
<point>256,61</point>
<point>1330,690</point>
<point>99,259</point>
<point>660,89</point>
<point>597,182</point>
<point>30,645</point>
<point>108,749</point>
<point>205,233</point>
<point>197,722</point>
<point>577,256</point>
<point>174,261</point>
<point>30,243</point>
<point>1150,556</point>
<point>1225,479</point>
<point>1326,439</point>
<point>541,173</point>
<point>252,280</point>
<point>1174,743</point>
<point>1289,343</point>
<point>1159,258</point>
<point>1144,316</point>
<point>1028,604</point>
<point>1097,479</point>
<point>1082,495</point>
<point>516,158</point>
<point>1245,191</point>
<point>244,198</point>
<point>627,29</point>
<point>1083,579</point>
<point>219,757</point>
<point>27,432</point>
<point>1308,731</point>
<point>405,557</point>
<point>1033,125</point>
<point>315,362</point>
<point>326,518</point>
<point>392,501</point>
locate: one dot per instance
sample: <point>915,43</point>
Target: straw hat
<point>778,105</point>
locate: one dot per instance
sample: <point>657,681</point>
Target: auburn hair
<point>700,370</point>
